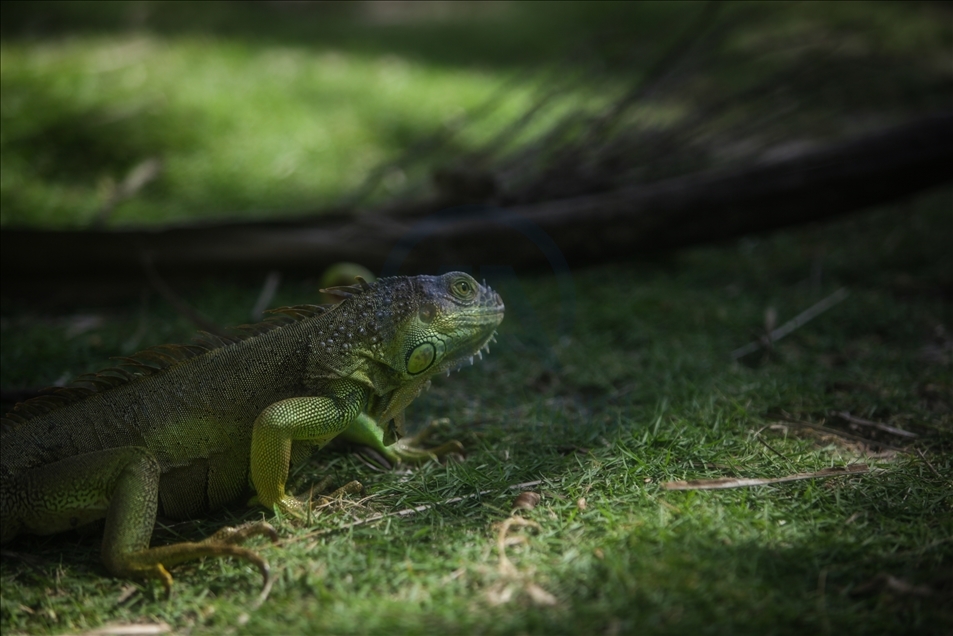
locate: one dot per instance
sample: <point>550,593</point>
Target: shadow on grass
<point>74,143</point>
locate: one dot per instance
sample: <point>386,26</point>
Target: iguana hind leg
<point>122,486</point>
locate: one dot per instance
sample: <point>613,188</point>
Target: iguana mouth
<point>489,309</point>
<point>458,362</point>
<point>476,320</point>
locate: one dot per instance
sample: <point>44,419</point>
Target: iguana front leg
<point>317,420</point>
<point>121,485</point>
<point>365,431</point>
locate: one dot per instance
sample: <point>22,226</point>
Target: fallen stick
<point>836,432</point>
<point>808,314</point>
<point>732,482</point>
<point>927,462</point>
<point>853,419</point>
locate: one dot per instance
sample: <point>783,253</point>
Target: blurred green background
<point>277,109</point>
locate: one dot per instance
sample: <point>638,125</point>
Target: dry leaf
<point>526,500</point>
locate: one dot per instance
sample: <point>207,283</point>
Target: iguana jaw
<point>408,392</point>
<point>457,362</point>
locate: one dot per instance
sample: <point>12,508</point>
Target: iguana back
<point>195,415</point>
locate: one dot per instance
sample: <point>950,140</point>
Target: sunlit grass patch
<point>238,128</point>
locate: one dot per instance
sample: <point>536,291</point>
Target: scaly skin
<point>188,428</point>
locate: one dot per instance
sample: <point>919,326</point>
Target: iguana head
<point>454,320</point>
<point>442,323</point>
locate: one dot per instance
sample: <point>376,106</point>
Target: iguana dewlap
<point>189,428</point>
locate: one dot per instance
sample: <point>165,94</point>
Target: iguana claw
<point>153,562</point>
<point>411,449</point>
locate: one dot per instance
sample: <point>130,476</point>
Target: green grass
<point>638,390</point>
<point>237,129</point>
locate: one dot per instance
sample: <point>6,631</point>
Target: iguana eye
<point>462,288</point>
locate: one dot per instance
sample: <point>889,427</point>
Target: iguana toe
<point>412,449</point>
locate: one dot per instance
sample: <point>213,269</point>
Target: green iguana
<point>188,428</point>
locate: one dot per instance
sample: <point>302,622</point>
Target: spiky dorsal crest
<point>152,360</point>
<point>297,312</point>
<point>346,291</point>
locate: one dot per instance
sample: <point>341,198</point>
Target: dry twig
<point>130,629</point>
<point>836,432</point>
<point>808,314</point>
<point>142,174</point>
<point>734,482</point>
<point>844,415</point>
<point>513,579</point>
<point>927,462</point>
<point>266,295</point>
